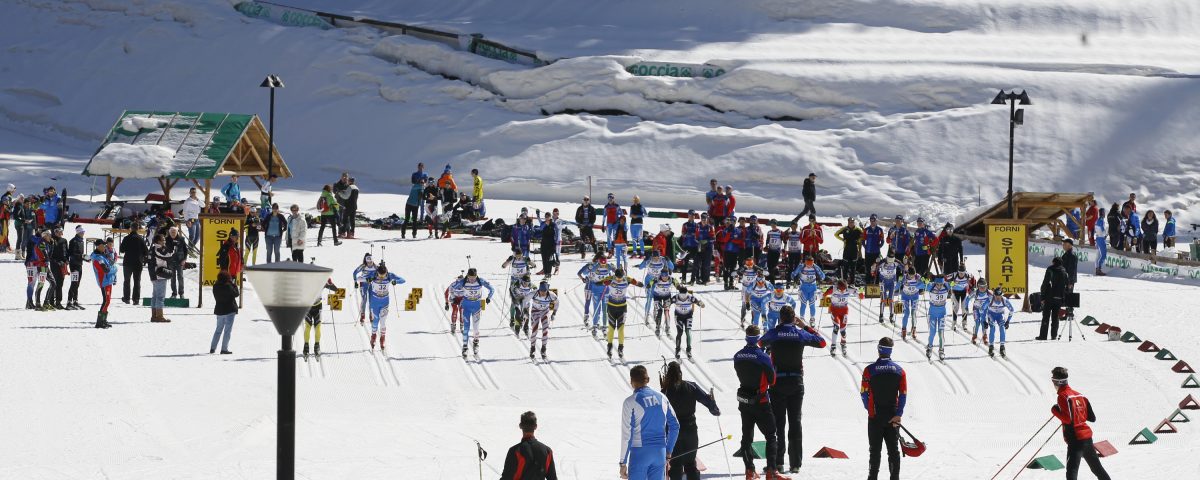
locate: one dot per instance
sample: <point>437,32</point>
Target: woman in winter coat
<point>160,272</point>
<point>1150,233</point>
<point>297,229</point>
<point>327,206</point>
<point>1116,233</point>
<point>225,291</point>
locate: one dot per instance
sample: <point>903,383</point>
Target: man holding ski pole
<point>1075,411</point>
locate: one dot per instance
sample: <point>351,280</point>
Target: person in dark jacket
<point>809,192</point>
<point>786,343</point>
<point>950,250</point>
<point>547,238</point>
<point>133,258</point>
<point>76,251</point>
<point>852,239</point>
<point>274,227</point>
<point>1071,265</point>
<point>179,254</point>
<point>59,256</point>
<point>1054,292</point>
<point>225,291</point>
<point>1116,232</point>
<point>585,218</point>
<point>756,374</point>
<point>159,260</point>
<point>1075,411</point>
<point>1150,233</point>
<point>684,396</point>
<point>884,394</point>
<point>349,210</point>
<point>529,459</point>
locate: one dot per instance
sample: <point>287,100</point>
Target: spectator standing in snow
<point>53,214</point>
<point>548,239</point>
<point>419,178</point>
<point>637,213</point>
<point>529,459</point>
<point>730,203</point>
<point>1116,232</point>
<point>1075,411</point>
<point>1101,242</point>
<point>350,210</point>
<point>341,191</point>
<point>1054,293</point>
<point>232,191</point>
<point>266,194</point>
<point>851,237</point>
<point>191,216</point>
<point>1089,219</point>
<point>274,227</point>
<point>133,257</point>
<point>297,229</point>
<point>1150,233</point>
<point>328,207</point>
<point>713,191</point>
<point>412,207</point>
<point>1168,232</point>
<point>884,395</point>
<point>585,219</point>
<point>106,276</point>
<point>1133,231</point>
<point>809,192</point>
<point>477,193</point>
<point>684,396</point>
<point>1131,203</point>
<point>179,254</point>
<point>225,292</point>
<point>159,259</point>
<point>717,207</point>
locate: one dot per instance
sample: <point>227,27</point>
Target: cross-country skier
<point>453,300</point>
<point>886,271</point>
<point>756,298</point>
<point>312,321</point>
<point>35,271</point>
<point>661,288</point>
<point>472,303</point>
<point>961,283</point>
<point>795,251</point>
<point>649,430</point>
<point>980,295</point>
<point>787,342</point>
<point>543,306</point>
<point>775,302</point>
<point>520,293</point>
<point>939,294</point>
<point>654,265</point>
<point>685,304</point>
<point>774,240</point>
<point>996,308</point>
<point>519,266</point>
<point>593,275</point>
<point>808,274</point>
<point>899,239</point>
<point>839,308</point>
<point>748,274</point>
<point>616,304</point>
<point>911,286</point>
<point>362,278</point>
<point>380,289</point>
<point>1075,411</point>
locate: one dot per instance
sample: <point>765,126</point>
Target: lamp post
<point>272,82</point>
<point>287,291</point>
<point>1015,117</point>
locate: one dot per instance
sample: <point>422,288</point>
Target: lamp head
<point>1024,98</point>
<point>1000,99</point>
<point>272,81</point>
<point>287,291</point>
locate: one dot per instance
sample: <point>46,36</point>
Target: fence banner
<point>286,16</point>
<point>1138,267</point>
<point>684,70</point>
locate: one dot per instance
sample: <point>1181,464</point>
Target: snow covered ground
<point>147,401</point>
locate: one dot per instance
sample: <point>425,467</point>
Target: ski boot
<point>929,353</point>
<point>1002,353</point>
<point>941,354</point>
<point>317,350</point>
<point>621,351</point>
<point>913,333</point>
<point>991,350</point>
<point>531,351</point>
<point>59,306</point>
<point>362,319</point>
<point>677,354</point>
<point>794,470</point>
<point>657,331</point>
<point>881,318</point>
<point>102,320</point>
<point>475,346</point>
<point>902,334</point>
<point>372,341</point>
<point>667,329</point>
<point>892,319</point>
<point>543,353</point>
<point>689,354</point>
<point>305,352</point>
<point>832,349</point>
<point>984,337</point>
<point>610,350</point>
<point>974,338</point>
<point>382,336</point>
<point>775,475</point>
<point>29,305</point>
<point>751,474</point>
<point>464,351</point>
<point>843,348</point>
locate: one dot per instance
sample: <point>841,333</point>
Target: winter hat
<point>1059,376</point>
<point>900,218</point>
<point>79,229</point>
<point>611,196</point>
<point>812,175</point>
<point>873,217</point>
<point>447,167</point>
<point>98,243</point>
<point>12,188</point>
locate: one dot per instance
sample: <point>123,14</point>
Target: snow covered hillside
<point>887,102</point>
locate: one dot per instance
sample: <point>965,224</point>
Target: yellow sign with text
<point>1007,258</point>
<point>215,229</point>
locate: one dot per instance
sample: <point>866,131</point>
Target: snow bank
<point>132,161</point>
<point>138,123</point>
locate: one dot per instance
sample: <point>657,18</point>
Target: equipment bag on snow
<point>911,446</point>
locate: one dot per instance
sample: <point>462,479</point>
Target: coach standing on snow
<point>884,393</point>
<point>755,374</point>
<point>649,430</point>
<point>787,342</point>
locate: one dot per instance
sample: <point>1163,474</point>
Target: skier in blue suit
<point>472,304</point>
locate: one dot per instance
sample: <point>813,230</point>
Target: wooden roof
<point>1038,209</point>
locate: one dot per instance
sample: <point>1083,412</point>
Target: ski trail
<point>950,383</point>
<point>616,370</point>
<point>370,359</point>
<point>474,375</point>
<point>1024,384</point>
<point>505,330</point>
<point>693,367</point>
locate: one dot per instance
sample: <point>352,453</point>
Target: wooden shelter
<point>1036,209</point>
<point>206,145</point>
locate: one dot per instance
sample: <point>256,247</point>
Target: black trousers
<point>691,257</point>
<point>686,463</point>
<point>411,218</point>
<point>880,432</point>
<point>809,209</point>
<point>56,270</point>
<point>848,269</point>
<point>133,278</point>
<point>869,262</point>
<point>587,236</point>
<point>331,220</point>
<point>348,221</point>
<point>758,415</point>
<point>772,264</point>
<point>704,268</point>
<point>76,278</point>
<point>730,263</point>
<point>1083,449</point>
<point>548,259</point>
<point>1050,318</point>
<point>921,262</point>
<point>787,402</point>
<point>298,255</point>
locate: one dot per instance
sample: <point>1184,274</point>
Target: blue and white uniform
<point>362,277</point>
<point>888,269</point>
<point>980,296</point>
<point>543,305</point>
<point>518,266</point>
<point>997,307</point>
<point>910,291</point>
<point>757,294</point>
<point>654,265</point>
<point>380,299</point>
<point>808,275</point>
<point>649,430</point>
<point>774,303</point>
<point>960,284</point>
<point>594,274</point>
<point>939,294</point>
<point>472,303</point>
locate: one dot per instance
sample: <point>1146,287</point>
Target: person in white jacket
<point>191,216</point>
<point>297,229</point>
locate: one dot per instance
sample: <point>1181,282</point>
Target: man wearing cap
<point>754,241</point>
<point>873,238</point>
<point>756,373</point>
<point>349,209</point>
<point>774,246</point>
<point>809,192</point>
<point>717,206</point>
<point>585,218</point>
<point>924,242</point>
<point>851,237</point>
<point>884,393</point>
<point>1075,411</point>
<point>1054,292</point>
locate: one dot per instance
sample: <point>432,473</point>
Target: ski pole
<point>724,449</point>
<point>694,450</point>
<point>1018,452</point>
<point>1036,452</point>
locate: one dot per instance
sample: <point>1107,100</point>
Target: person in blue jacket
<point>899,239</point>
<point>1102,240</point>
<point>911,287</point>
<point>522,233</point>
<point>786,343</point>
<point>51,208</point>
<point>884,394</point>
<point>380,300</point>
<point>923,240</point>
<point>775,302</point>
<point>106,276</point>
<point>809,274</point>
<point>472,304</point>
<point>1168,232</point>
<point>649,430</point>
<point>412,209</point>
<point>637,215</point>
<point>873,239</point>
<point>362,278</point>
<point>756,374</point>
<point>232,191</point>
<point>939,294</point>
<point>996,309</point>
<point>691,245</point>
<point>593,275</point>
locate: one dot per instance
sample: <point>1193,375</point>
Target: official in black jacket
<point>950,251</point>
<point>684,396</point>
<point>179,254</point>
<point>585,218</point>
<point>786,343</point>
<point>133,254</point>
<point>76,250</point>
<point>1054,292</point>
<point>529,459</point>
<point>1070,263</point>
<point>58,266</point>
<point>809,192</point>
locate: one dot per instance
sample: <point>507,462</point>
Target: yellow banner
<point>1007,258</point>
<point>214,229</point>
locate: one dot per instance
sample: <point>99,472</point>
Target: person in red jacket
<point>529,459</point>
<point>1089,220</point>
<point>811,237</point>
<point>1075,411</point>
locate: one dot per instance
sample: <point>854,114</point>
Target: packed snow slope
<point>146,401</point>
<point>887,102</point>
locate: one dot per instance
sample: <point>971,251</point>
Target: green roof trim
<point>202,140</point>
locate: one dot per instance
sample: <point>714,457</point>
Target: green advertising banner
<point>286,16</point>
<point>682,70</point>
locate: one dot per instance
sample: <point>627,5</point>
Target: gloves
<point>447,307</point>
<point>393,282</point>
<point>487,301</point>
<point>1006,321</point>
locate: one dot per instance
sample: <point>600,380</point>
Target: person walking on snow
<point>911,287</point>
<point>1075,411</point>
<point>809,192</point>
<point>477,192</point>
<point>380,303</point>
<point>884,394</point>
<point>472,304</point>
<point>1102,242</point>
<point>649,430</point>
<point>684,396</point>
<point>756,373</point>
<point>1054,292</point>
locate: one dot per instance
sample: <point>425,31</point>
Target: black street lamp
<point>1015,117</point>
<point>287,291</point>
<point>272,82</point>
